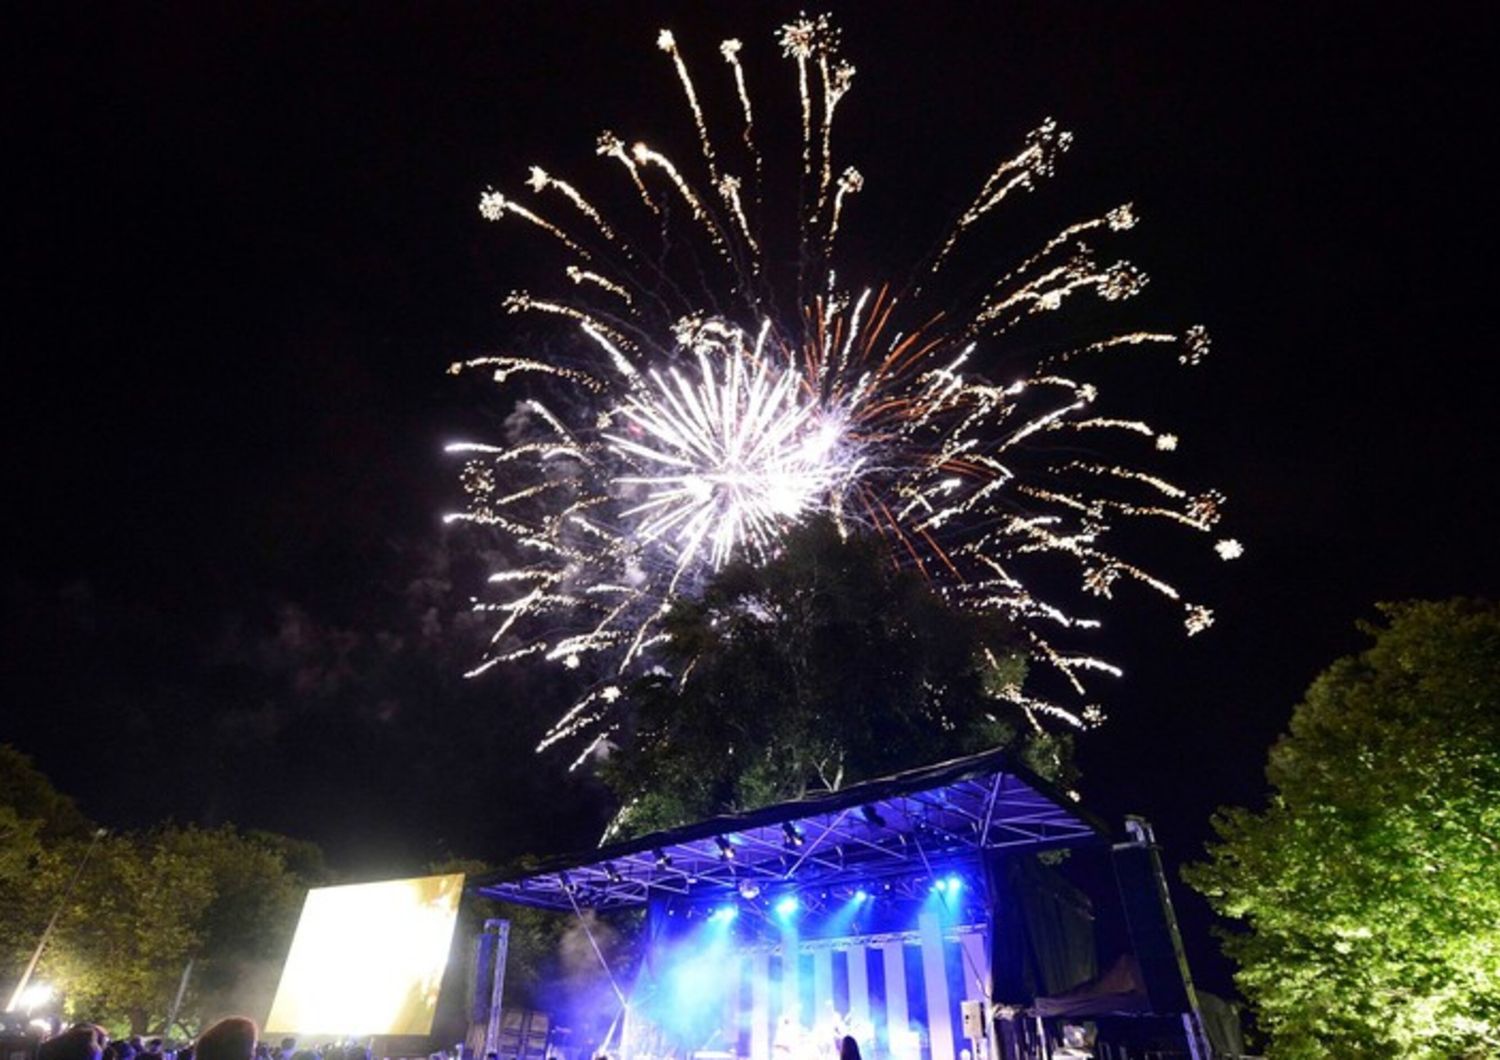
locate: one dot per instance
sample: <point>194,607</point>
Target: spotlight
<point>950,884</point>
<point>861,895</point>
<point>35,996</point>
<point>567,882</point>
<point>793,837</point>
<point>613,873</point>
<point>749,890</point>
<point>787,906</point>
<point>724,914</point>
<point>872,816</point>
<point>663,859</point>
<point>725,850</point>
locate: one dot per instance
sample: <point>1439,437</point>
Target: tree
<point>125,931</point>
<point>822,666</point>
<point>147,903</point>
<point>29,795</point>
<point>1368,891</point>
<point>20,843</point>
<point>33,815</point>
<point>259,881</point>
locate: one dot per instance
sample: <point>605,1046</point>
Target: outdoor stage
<point>906,912</point>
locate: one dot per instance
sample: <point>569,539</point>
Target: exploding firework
<point>695,421</point>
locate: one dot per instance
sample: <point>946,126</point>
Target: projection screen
<point>368,959</point>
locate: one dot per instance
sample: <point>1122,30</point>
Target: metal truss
<point>896,827</point>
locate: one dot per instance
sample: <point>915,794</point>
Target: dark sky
<point>244,246</point>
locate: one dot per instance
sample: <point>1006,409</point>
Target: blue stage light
<point>861,895</point>
<point>950,884</point>
<point>724,914</point>
<point>787,906</point>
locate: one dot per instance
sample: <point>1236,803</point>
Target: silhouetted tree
<point>823,666</point>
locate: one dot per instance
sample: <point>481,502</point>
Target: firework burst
<point>696,423</point>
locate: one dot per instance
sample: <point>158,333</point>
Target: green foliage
<point>145,905</point>
<point>31,796</point>
<point>20,843</point>
<point>246,929</point>
<point>126,930</point>
<point>1368,891</point>
<point>819,668</point>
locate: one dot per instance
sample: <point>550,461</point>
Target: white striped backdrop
<point>890,984</point>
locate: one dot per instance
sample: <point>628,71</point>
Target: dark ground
<point>244,247</point>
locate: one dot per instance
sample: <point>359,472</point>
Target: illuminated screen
<point>368,959</point>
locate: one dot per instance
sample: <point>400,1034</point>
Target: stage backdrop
<point>368,959</point>
<point>897,992</point>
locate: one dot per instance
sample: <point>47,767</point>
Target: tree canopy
<point>146,903</point>
<point>823,666</point>
<point>29,796</point>
<point>1368,890</point>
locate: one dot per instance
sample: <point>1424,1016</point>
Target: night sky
<point>244,246</point>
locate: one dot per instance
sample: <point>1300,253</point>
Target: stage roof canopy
<point>901,825</point>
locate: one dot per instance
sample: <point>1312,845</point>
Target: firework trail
<point>697,421</point>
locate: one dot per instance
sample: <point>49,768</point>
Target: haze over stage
<point>368,958</point>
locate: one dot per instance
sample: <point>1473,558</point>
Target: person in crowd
<point>849,1048</point>
<point>288,1049</point>
<point>232,1038</point>
<point>80,1042</point>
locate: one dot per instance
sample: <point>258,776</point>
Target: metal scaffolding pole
<point>41,944</point>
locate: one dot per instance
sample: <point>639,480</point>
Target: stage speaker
<point>1153,928</point>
